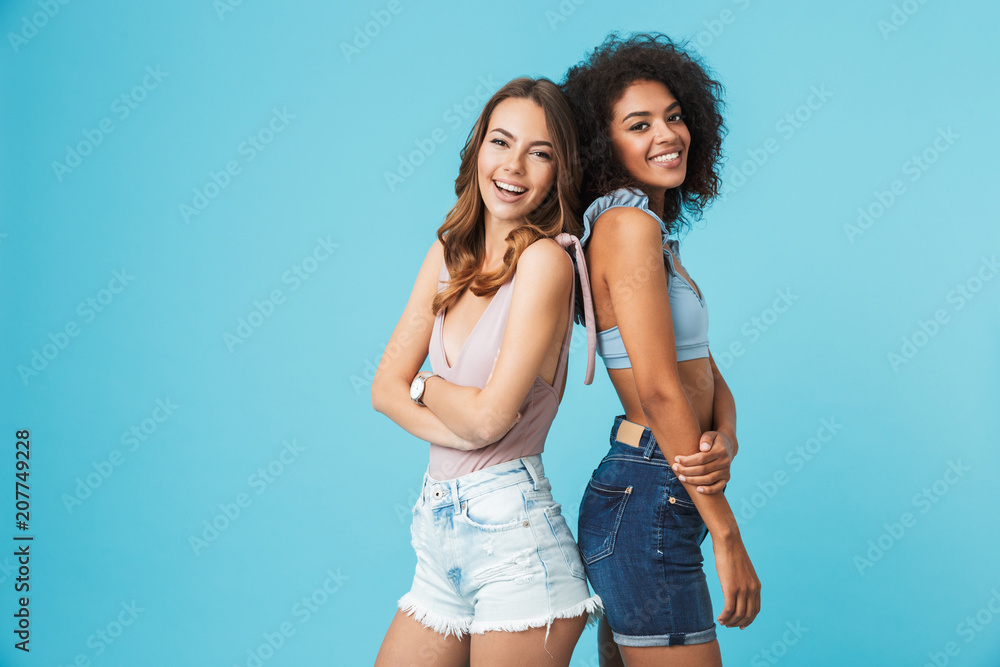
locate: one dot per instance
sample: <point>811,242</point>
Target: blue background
<point>829,537</point>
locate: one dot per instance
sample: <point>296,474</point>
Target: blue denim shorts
<point>494,553</point>
<point>640,536</point>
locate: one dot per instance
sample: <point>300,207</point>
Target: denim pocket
<point>678,499</point>
<point>501,509</point>
<point>600,515</point>
<point>564,540</point>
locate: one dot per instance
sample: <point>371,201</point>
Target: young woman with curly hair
<point>499,580</point>
<point>651,134</point>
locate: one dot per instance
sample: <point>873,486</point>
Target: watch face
<point>416,388</point>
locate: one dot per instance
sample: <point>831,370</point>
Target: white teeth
<point>510,188</point>
<point>666,158</point>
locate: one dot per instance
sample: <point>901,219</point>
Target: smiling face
<point>649,137</point>
<point>516,163</point>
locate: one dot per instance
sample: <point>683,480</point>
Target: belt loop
<point>454,496</point>
<point>532,472</point>
<point>647,451</point>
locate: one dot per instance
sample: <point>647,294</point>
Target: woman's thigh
<point>529,647</point>
<point>410,643</point>
<point>606,646</point>
<point>688,655</point>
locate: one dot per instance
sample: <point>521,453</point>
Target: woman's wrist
<point>726,534</point>
<point>418,386</point>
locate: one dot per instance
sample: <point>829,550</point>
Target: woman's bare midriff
<point>699,385</point>
<point>695,374</point>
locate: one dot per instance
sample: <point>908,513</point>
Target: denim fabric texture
<point>494,553</point>
<point>640,537</point>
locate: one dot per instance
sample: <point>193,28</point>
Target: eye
<point>676,118</point>
<point>542,154</point>
<point>641,125</point>
<point>498,142</point>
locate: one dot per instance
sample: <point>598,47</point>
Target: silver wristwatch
<point>417,386</point>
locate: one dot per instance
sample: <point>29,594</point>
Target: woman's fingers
<point>699,459</point>
<point>742,604</point>
<point>706,474</point>
<point>753,604</point>
<point>754,609</point>
<point>727,610</point>
<point>709,489</point>
<point>707,478</point>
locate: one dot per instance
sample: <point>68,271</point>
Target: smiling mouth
<point>508,191</point>
<point>666,157</point>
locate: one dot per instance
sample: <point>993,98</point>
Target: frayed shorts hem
<point>672,639</point>
<point>408,604</point>
<point>591,606</point>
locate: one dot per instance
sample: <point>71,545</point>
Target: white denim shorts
<point>494,553</point>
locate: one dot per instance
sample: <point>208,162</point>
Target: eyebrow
<point>511,136</point>
<point>647,113</point>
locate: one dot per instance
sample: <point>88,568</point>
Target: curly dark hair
<point>595,84</point>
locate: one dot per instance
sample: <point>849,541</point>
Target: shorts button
<point>525,524</point>
<point>671,500</point>
<point>438,494</point>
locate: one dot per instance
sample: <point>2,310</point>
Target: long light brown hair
<point>463,233</point>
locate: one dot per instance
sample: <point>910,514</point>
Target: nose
<point>664,134</point>
<point>514,163</point>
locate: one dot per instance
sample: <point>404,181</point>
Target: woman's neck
<point>657,199</point>
<point>495,240</point>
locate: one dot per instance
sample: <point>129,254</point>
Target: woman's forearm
<point>675,426</point>
<point>465,412</point>
<point>724,410</point>
<point>392,398</point>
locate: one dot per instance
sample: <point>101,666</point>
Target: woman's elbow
<point>491,426</point>
<point>657,399</point>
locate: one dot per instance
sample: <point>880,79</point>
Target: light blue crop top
<point>687,309</point>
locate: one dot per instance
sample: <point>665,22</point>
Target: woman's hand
<point>465,444</point>
<point>709,468</point>
<point>740,585</point>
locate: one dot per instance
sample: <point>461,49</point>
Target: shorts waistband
<point>452,491</point>
<point>635,437</point>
